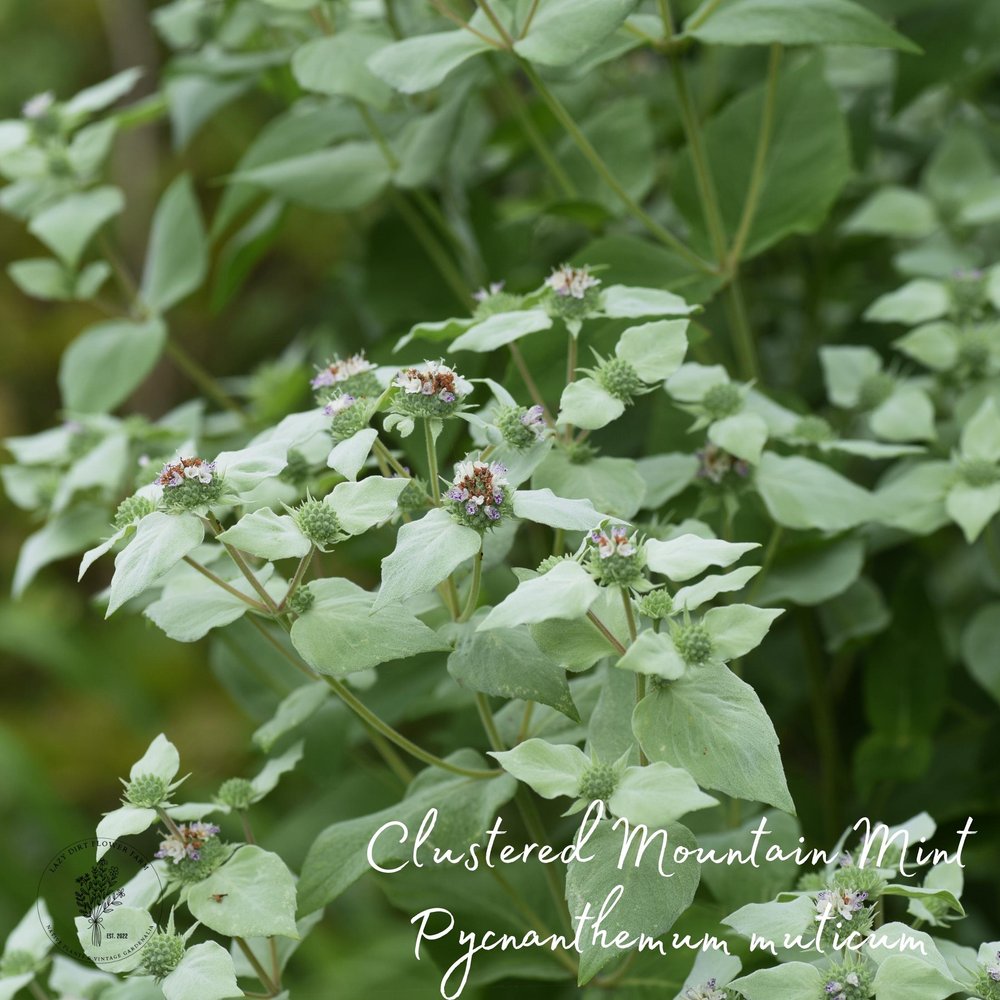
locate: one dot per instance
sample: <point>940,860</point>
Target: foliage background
<point>81,697</point>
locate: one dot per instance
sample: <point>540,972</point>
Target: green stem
<point>759,162</point>
<point>529,18</point>
<point>247,831</point>
<point>640,678</point>
<point>702,15</point>
<point>773,544</point>
<point>699,162</point>
<point>606,632</point>
<point>259,971</point>
<point>244,567</point>
<point>743,341</point>
<point>201,377</point>
<point>668,20</point>
<point>388,753</point>
<point>168,822</point>
<point>484,6</point>
<point>528,380</point>
<point>300,572</point>
<point>37,991</point>
<point>489,723</point>
<point>522,731</point>
<point>444,9</point>
<point>629,613</point>
<point>432,464</point>
<point>371,719</point>
<point>387,455</point>
<point>604,172</point>
<point>219,582</point>
<point>272,948</point>
<point>473,598</point>
<point>533,133</point>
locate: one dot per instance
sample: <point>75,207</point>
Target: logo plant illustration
<point>98,894</point>
<point>594,477</point>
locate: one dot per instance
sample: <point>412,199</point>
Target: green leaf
<point>564,31</point>
<point>42,278</point>
<point>267,534</point>
<point>466,806</point>
<point>349,456</point>
<point>972,507</point>
<point>858,612</point>
<point>108,362</point>
<point>650,901</point>
<point>935,345</point>
<point>206,971</point>
<point>544,507</point>
<point>102,95</point>
<point>904,977</point>
<point>845,370</point>
<point>421,63</point>
<point>907,415</point>
<point>655,350</point>
<point>258,896</point>
<point>610,484</point>
<point>191,605</point>
<point>800,493</point>
<point>666,476</point>
<point>631,302</point>
<point>360,506</point>
<point>743,435</point>
<point>507,663</point>
<point>427,551</point>
<point>918,301</point>
<point>807,164</point>
<point>736,629</point>
<point>501,329</point>
<point>799,22</point>
<point>295,709</point>
<point>71,223</point>
<point>657,795</point>
<point>813,574</point>
<point>713,725</point>
<point>125,928</point>
<point>342,633</point>
<point>913,499</point>
<point>341,179</point>
<point>693,597</point>
<point>587,404</point>
<point>774,920</point>
<point>70,532</point>
<point>125,821</point>
<point>894,211</point>
<point>791,981</point>
<point>553,770</point>
<point>177,256</point>
<point>981,433</point>
<point>653,654</point>
<point>160,542</point>
<point>687,555</point>
<point>576,644</point>
<point>267,780</point>
<point>566,591</point>
<point>338,66</point>
<point>980,641</point>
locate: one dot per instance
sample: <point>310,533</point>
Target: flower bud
<point>656,604</point>
<point>599,782</point>
<point>132,509</point>
<point>620,379</point>
<point>302,600</point>
<point>521,428</point>
<point>147,791</point>
<point>722,400</point>
<point>161,954</point>
<point>318,522</point>
<point>693,643</point>
<point>237,793</point>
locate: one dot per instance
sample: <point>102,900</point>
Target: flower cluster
<point>853,985</point>
<point>131,510</point>
<point>318,522</point>
<point>988,980</point>
<point>571,282</point>
<point>480,494</point>
<point>619,378</point>
<point>493,299</point>
<point>615,558</point>
<point>161,954</point>
<point>432,391</point>
<point>714,464</point>
<point>38,106</point>
<point>188,842</point>
<point>844,902</point>
<point>521,428</point>
<point>189,483</point>
<point>707,991</point>
<point>599,782</point>
<point>354,375</point>
<point>350,414</point>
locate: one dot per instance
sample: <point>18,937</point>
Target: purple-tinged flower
<point>482,294</point>
<point>571,282</point>
<point>479,491</point>
<point>339,403</point>
<point>187,842</point>
<point>341,369</point>
<point>175,474</point>
<point>38,106</point>
<point>841,901</point>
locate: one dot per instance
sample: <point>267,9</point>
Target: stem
<point>629,613</point>
<point>522,732</point>
<point>606,632</point>
<point>201,377</point>
<point>446,267</point>
<point>533,133</point>
<point>370,718</point>
<point>773,544</point>
<point>259,971</point>
<point>443,8</point>
<point>604,172</point>
<point>530,17</point>
<point>247,831</point>
<point>668,20</point>
<point>759,160</point>
<point>571,352</point>
<point>432,465</point>
<point>744,346</point>
<point>300,572</point>
<point>244,567</point>
<point>272,947</point>
<point>703,15</point>
<point>382,450</point>
<point>388,753</point>
<point>699,162</point>
<point>219,582</point>
<point>528,380</point>
<point>473,598</point>
<point>485,7</point>
<point>168,822</point>
<point>37,990</point>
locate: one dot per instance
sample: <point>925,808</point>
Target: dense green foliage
<point>691,513</point>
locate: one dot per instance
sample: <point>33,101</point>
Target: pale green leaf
<point>743,435</point>
<point>349,456</point>
<point>566,591</point>
<point>421,63</point>
<point>551,769</point>
<point>935,345</point>
<point>688,555</point>
<point>655,350</point>
<point>845,370</point>
<point>907,415</point>
<point>71,223</point>
<point>585,403</point>
<point>501,329</point>
<point>360,506</point>
<point>123,931</point>
<point>791,981</point>
<point>258,896</point>
<point>295,709</point>
<point>894,211</point>
<point>337,65</point>
<point>610,484</point>
<point>630,302</point>
<point>693,597</point>
<point>343,633</point>
<point>544,507</point>
<point>564,31</point>
<point>712,724</point>
<point>205,971</point>
<point>981,434</point>
<point>918,301</point>
<point>738,628</point>
<point>657,795</point>
<point>267,534</point>
<point>177,256</point>
<point>653,654</point>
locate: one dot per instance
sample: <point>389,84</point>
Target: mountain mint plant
<point>480,593</point>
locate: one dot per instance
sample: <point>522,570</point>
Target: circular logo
<point>100,909</point>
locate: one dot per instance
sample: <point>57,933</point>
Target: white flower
<point>571,282</point>
<point>841,901</point>
<point>38,106</point>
